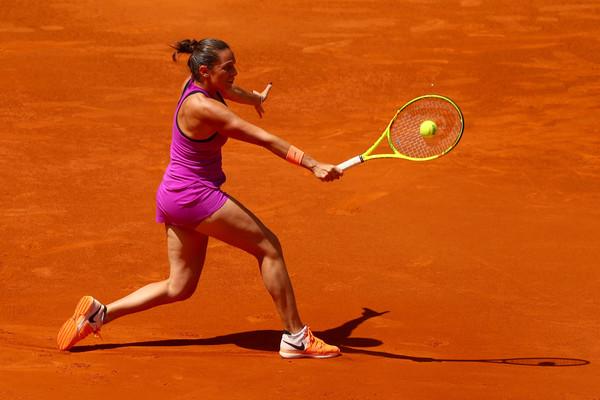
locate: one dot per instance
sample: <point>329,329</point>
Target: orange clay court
<point>474,276</point>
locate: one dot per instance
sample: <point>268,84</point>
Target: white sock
<point>297,336</point>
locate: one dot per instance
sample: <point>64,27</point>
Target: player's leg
<point>236,225</point>
<point>186,250</point>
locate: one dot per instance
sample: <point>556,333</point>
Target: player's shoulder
<point>206,108</point>
<point>200,99</point>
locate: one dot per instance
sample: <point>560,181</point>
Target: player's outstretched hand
<point>265,93</point>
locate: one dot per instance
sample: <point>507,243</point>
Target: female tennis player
<point>193,207</point>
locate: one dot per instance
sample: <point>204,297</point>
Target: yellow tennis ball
<point>428,129</point>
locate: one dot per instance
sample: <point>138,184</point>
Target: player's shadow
<point>263,340</point>
<point>268,340</point>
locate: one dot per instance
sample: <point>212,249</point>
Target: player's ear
<point>203,71</point>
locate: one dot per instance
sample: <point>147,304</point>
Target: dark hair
<point>204,52</point>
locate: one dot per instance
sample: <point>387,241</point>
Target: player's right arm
<point>224,121</point>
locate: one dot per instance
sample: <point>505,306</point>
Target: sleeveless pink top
<point>194,161</point>
<point>190,190</point>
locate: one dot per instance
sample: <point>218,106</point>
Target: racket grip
<point>350,163</point>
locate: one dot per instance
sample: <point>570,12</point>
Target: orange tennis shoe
<point>305,344</point>
<point>87,319</point>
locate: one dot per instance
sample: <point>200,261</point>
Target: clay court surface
<point>427,275</point>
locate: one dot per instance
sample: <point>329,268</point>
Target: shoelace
<point>315,342</point>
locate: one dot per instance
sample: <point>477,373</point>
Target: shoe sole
<point>285,354</point>
<point>69,334</point>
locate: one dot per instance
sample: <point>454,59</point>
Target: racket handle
<point>350,163</point>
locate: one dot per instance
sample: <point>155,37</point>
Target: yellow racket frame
<point>396,154</point>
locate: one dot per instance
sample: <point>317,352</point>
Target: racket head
<point>404,133</point>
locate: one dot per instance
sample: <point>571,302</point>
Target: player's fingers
<point>332,175</point>
<point>265,92</point>
<point>260,110</point>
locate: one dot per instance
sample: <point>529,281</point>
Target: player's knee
<point>179,291</point>
<point>272,246</point>
<point>268,247</point>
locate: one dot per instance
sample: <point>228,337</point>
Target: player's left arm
<point>254,98</point>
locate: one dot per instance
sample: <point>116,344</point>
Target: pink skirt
<point>187,207</point>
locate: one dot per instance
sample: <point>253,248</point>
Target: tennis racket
<point>425,128</point>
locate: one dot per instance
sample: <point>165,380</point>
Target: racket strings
<point>405,135</point>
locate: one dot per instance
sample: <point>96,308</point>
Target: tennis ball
<point>428,129</point>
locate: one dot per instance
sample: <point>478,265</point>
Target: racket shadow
<point>522,361</point>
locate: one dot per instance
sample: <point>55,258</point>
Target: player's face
<point>224,72</point>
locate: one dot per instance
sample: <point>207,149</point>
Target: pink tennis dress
<point>190,189</point>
